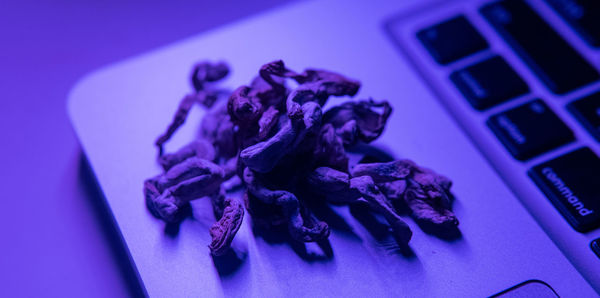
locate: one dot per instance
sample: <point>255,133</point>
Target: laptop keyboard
<point>570,181</point>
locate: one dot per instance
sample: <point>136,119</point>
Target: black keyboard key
<point>548,55</point>
<point>488,83</point>
<point>595,246</point>
<point>587,111</point>
<point>451,40</point>
<point>529,130</point>
<point>582,15</point>
<point>571,183</point>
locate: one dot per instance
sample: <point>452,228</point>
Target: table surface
<point>56,238</point>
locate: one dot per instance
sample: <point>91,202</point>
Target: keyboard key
<point>571,183</point>
<point>488,83</point>
<point>595,246</point>
<point>582,15</point>
<point>548,55</point>
<point>529,130</point>
<point>451,40</point>
<point>587,111</point>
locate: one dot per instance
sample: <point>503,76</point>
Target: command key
<point>571,182</point>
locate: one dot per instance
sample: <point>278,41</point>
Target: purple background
<point>55,239</point>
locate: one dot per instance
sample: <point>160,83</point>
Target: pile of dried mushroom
<point>286,151</point>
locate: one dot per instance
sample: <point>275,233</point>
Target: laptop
<point>500,96</point>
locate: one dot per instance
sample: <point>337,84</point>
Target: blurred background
<point>56,239</point>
